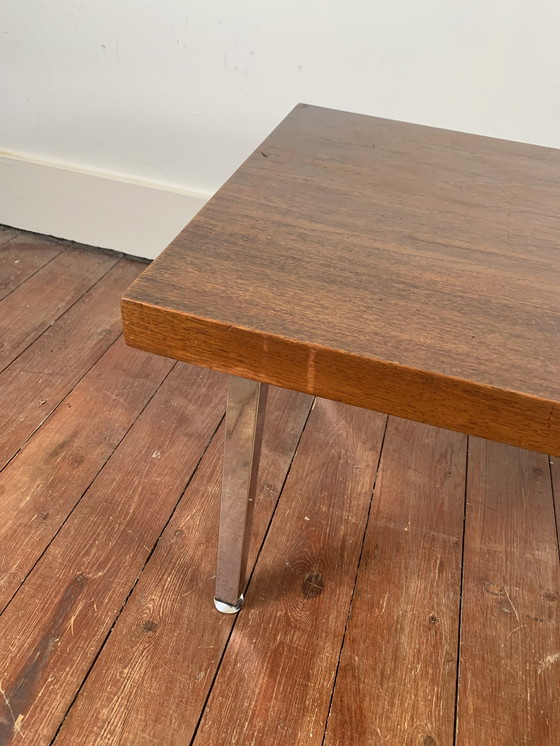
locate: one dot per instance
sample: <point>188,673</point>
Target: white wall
<point>173,94</point>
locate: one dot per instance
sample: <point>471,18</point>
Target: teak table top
<point>401,268</point>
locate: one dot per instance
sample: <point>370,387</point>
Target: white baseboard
<point>102,209</point>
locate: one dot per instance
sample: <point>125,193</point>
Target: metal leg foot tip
<point>226,608</point>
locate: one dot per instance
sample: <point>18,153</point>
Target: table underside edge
<point>511,417</point>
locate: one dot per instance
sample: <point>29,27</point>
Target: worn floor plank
<point>283,670</point>
<point>43,484</point>
<point>35,383</point>
<point>555,475</point>
<point>170,638</point>
<point>7,233</point>
<point>35,305</point>
<point>21,255</point>
<point>397,676</point>
<point>73,595</point>
<point>510,641</point>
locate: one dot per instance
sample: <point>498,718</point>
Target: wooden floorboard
<point>108,520</point>
<point>7,233</point>
<point>283,652</point>
<point>74,593</point>
<point>21,255</point>
<point>169,639</point>
<point>555,476</point>
<point>397,676</point>
<point>37,381</point>
<point>35,305</point>
<point>510,641</point>
<point>41,487</point>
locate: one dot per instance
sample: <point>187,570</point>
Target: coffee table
<point>391,266</point>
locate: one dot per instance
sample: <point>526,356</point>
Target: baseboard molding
<point>103,209</point>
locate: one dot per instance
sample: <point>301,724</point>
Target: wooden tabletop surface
<point>388,265</point>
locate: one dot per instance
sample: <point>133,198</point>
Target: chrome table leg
<point>246,405</point>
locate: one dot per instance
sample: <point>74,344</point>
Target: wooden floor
<point>405,579</point>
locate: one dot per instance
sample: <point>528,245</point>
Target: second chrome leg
<point>244,426</point>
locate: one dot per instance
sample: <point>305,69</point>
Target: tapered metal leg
<point>246,405</point>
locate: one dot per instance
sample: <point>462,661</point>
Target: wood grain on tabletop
<point>36,382</point>
<point>422,263</point>
<point>41,487</point>
<point>509,674</point>
<point>22,255</point>
<point>169,638</point>
<point>74,593</point>
<point>284,673</point>
<point>34,306</point>
<point>397,677</point>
